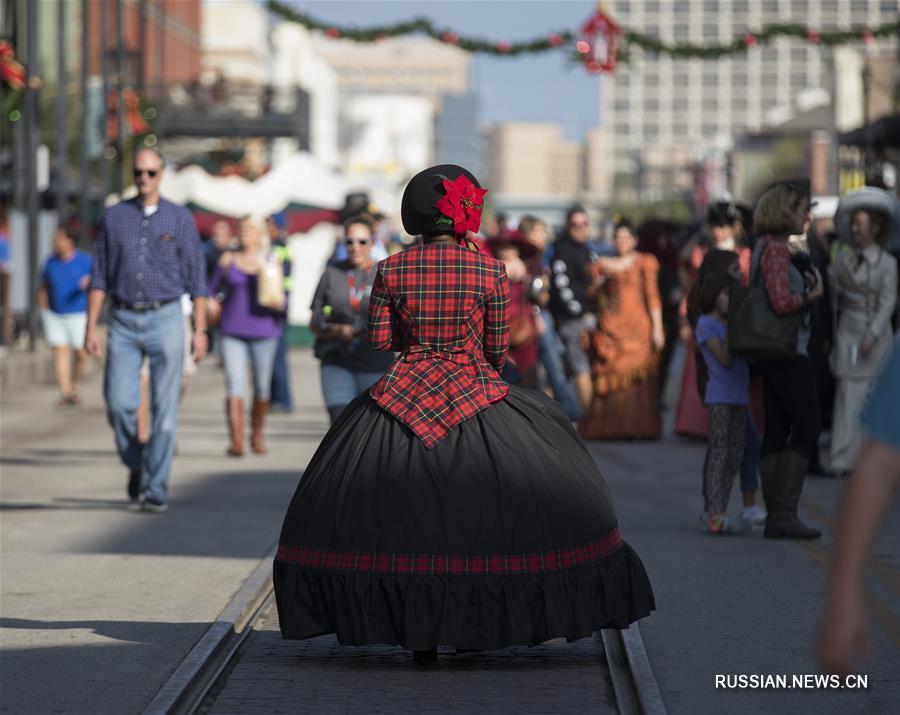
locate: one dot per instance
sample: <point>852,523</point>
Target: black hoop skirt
<point>503,534</point>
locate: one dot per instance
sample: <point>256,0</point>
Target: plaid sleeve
<point>98,266</point>
<point>193,265</point>
<point>775,266</point>
<point>496,322</point>
<point>383,333</point>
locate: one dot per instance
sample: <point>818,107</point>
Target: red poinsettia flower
<point>462,204</point>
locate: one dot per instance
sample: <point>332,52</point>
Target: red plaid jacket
<point>446,309</point>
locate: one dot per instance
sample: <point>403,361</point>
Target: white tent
<point>302,179</point>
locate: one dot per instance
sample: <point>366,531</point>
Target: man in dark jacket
<point>571,296</point>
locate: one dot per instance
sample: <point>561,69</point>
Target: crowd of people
<point>786,323</point>
<point>595,320</point>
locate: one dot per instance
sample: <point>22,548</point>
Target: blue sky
<point>543,87</point>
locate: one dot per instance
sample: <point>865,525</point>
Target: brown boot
<point>260,410</point>
<point>784,523</point>
<point>234,410</point>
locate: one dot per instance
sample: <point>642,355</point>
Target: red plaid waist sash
<point>458,356</point>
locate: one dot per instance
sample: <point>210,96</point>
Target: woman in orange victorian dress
<point>625,347</point>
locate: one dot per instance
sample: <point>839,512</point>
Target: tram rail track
<point>634,685</point>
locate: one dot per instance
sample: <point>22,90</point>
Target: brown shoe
<point>234,410</point>
<point>260,410</point>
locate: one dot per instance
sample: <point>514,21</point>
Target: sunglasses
<point>357,241</point>
<point>149,172</point>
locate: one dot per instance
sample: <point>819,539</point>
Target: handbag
<point>270,284</point>
<point>755,331</point>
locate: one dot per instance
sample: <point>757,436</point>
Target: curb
<point>635,686</point>
<point>187,686</point>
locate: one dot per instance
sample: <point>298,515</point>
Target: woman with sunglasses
<point>339,312</point>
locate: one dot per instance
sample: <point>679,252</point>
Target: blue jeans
<point>235,352</point>
<point>158,335</point>
<point>551,351</point>
<point>281,376</point>
<point>340,386</point>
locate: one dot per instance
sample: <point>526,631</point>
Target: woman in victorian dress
<point>445,506</point>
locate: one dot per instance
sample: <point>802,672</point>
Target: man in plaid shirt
<point>147,256</point>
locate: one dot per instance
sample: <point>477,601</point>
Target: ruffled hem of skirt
<point>472,612</point>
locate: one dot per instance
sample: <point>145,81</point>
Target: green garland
<point>561,38</point>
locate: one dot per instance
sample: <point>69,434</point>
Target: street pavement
<point>743,605</point>
<point>99,605</point>
<point>320,677</point>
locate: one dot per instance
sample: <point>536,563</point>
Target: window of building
<point>739,80</point>
<point>710,130</point>
<point>680,104</point>
<point>769,79</point>
<point>830,7</point>
<point>651,79</point>
<point>710,31</point>
<point>798,80</point>
<point>622,128</point>
<point>800,9</point>
<point>769,8</point>
<point>710,104</point>
<point>740,103</point>
<point>713,6</point>
<point>681,79</point>
<point>682,32</point>
<point>651,104</point>
<point>710,79</point>
<point>888,9</point>
<point>798,54</point>
<point>679,130</point>
<point>621,104</point>
<point>740,6</point>
<point>651,7</point>
<point>651,131</point>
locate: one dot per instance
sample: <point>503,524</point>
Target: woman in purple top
<point>247,330</point>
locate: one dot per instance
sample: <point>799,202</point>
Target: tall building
<point>533,159</point>
<point>659,104</point>
<point>403,65</point>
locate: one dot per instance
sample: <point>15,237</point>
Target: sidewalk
<point>100,604</point>
<point>743,605</point>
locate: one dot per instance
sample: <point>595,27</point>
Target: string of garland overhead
<point>600,42</point>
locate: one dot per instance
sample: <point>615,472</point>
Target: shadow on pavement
<point>224,515</point>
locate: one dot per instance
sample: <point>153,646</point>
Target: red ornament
<point>450,38</point>
<point>598,42</point>
<point>462,203</point>
<point>503,46</point>
<point>812,36</point>
<point>555,39</point>
<point>749,39</point>
<point>868,37</point>
<point>11,70</point>
<point>333,33</point>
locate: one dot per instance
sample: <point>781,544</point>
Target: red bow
<point>11,71</point>
<point>461,205</point>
